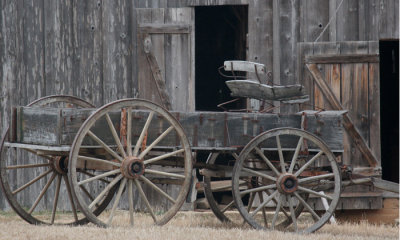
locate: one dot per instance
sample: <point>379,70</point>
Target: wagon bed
<point>55,129</point>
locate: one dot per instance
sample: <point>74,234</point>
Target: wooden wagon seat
<point>252,88</point>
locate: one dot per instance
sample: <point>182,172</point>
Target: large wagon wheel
<point>47,168</point>
<point>286,165</point>
<point>132,139</point>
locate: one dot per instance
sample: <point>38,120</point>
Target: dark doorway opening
<point>220,35</point>
<point>389,101</point>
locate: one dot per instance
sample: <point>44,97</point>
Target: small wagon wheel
<point>286,165</point>
<point>44,169</point>
<point>210,191</point>
<point>132,139</point>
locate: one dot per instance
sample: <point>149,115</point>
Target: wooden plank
<point>57,42</point>
<point>145,82</point>
<point>33,32</point>
<point>332,71</point>
<point>314,15</point>
<point>347,21</point>
<point>342,58</point>
<point>374,104</point>
<point>164,28</point>
<point>116,50</point>
<point>178,51</point>
<point>155,56</point>
<point>347,122</point>
<point>355,98</point>
<point>260,20</point>
<point>304,75</point>
<point>88,45</point>
<point>388,13</point>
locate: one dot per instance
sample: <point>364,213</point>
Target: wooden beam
<point>347,122</point>
<point>158,28</point>
<point>338,59</point>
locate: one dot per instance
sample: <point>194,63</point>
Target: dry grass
<point>186,225</point>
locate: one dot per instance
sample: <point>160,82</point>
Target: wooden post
<point>347,122</point>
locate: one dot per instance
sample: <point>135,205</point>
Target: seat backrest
<point>245,66</point>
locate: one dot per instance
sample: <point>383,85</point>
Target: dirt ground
<point>186,225</point>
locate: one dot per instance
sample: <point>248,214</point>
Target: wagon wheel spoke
<point>281,159</point>
<point>161,157</point>
<point>92,175</point>
<point>227,206</point>
<point>306,205</point>
<point>144,198</point>
<point>28,166</point>
<point>311,161</point>
<point>115,135</point>
<point>105,146</point>
<point>98,160</point>
<point>292,213</point>
<point>296,154</point>
<point>262,205</point>
<point>263,209</point>
<point>315,193</point>
<point>155,187</point>
<point>266,160</point>
<point>173,175</point>
<point>55,201</point>
<point>129,132</point>
<point>86,192</point>
<point>278,207</point>
<point>113,172</point>
<point>259,174</point>
<point>32,181</point>
<point>258,189</point>
<point>71,200</point>
<point>130,199</point>
<point>105,190</point>
<point>44,190</point>
<point>276,201</point>
<point>316,178</point>
<point>155,142</point>
<point>116,201</point>
<point>142,134</point>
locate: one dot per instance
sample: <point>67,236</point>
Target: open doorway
<point>389,101</point>
<point>220,35</point>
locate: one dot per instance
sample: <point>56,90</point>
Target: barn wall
<point>88,48</point>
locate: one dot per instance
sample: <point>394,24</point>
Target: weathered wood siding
<point>89,48</point>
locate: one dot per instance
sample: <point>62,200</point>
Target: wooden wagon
<point>277,166</point>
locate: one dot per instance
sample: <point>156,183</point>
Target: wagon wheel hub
<point>60,165</point>
<point>132,167</point>
<point>287,183</point>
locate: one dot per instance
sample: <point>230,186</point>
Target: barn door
<point>166,57</point>
<point>351,73</point>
